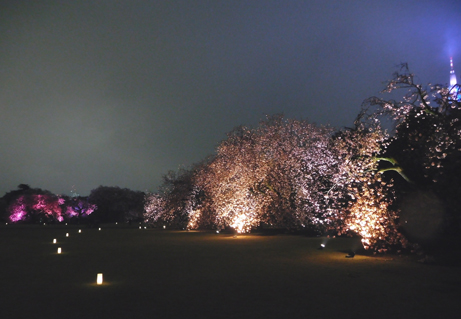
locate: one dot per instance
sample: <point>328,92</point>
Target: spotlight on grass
<point>59,250</point>
<point>79,231</point>
<point>99,279</point>
<point>67,234</point>
<point>164,227</point>
<point>140,227</point>
<point>217,232</point>
<point>322,246</point>
<point>99,228</point>
<point>54,241</point>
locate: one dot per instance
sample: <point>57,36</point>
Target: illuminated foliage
<point>272,175</point>
<point>360,199</point>
<point>287,174</point>
<point>427,140</point>
<point>79,207</point>
<point>32,207</point>
<point>178,199</point>
<point>294,174</point>
<point>154,206</point>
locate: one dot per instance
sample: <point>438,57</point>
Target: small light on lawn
<point>54,241</point>
<point>66,224</point>
<point>99,279</point>
<point>140,227</point>
<point>116,223</point>
<point>44,224</point>
<point>79,231</point>
<point>217,232</point>
<point>99,228</point>
<point>145,227</point>
<point>67,234</point>
<point>59,250</point>
<point>164,226</point>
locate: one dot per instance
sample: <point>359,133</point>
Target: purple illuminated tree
<point>79,207</point>
<point>36,205</point>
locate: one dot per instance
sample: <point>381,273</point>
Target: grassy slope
<point>163,274</point>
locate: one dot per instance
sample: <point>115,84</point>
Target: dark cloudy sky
<point>119,92</point>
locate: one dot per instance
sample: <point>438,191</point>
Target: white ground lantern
<point>99,279</point>
<point>54,241</point>
<point>59,250</point>
<point>79,231</point>
<point>67,234</point>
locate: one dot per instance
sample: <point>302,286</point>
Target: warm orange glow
<point>99,279</point>
<point>371,216</point>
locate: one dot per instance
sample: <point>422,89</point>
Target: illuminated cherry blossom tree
<point>294,174</point>
<point>34,207</point>
<point>154,208</point>
<point>361,198</point>
<point>427,140</point>
<point>274,174</point>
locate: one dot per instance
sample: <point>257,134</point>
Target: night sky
<point>117,93</point>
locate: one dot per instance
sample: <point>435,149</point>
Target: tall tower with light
<point>454,87</point>
<point>453,80</point>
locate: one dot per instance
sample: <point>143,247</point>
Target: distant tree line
<point>104,204</point>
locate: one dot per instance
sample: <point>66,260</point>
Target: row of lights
<point>99,276</point>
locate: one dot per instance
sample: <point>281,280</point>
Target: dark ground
<point>167,274</point>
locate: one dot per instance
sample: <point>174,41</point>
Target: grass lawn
<point>168,274</point>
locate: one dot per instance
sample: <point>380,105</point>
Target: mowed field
<point>171,274</point>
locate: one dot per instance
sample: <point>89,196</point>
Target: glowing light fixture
<point>59,250</point>
<point>54,241</point>
<point>164,226</point>
<point>99,279</point>
<point>322,246</point>
<point>79,231</point>
<point>140,227</point>
<point>67,234</point>
<point>99,228</point>
<point>217,232</point>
